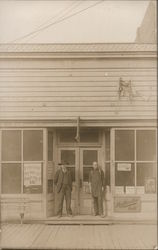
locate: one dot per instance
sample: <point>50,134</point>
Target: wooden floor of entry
<point>78,220</point>
<point>40,236</point>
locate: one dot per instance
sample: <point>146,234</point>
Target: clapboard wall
<point>40,86</point>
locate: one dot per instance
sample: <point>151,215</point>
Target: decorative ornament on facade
<point>125,89</point>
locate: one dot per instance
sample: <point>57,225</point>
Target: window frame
<point>113,160</point>
<point>22,160</point>
<point>80,144</point>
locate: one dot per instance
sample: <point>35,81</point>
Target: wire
<point>70,8</point>
<point>56,22</point>
<point>59,13</point>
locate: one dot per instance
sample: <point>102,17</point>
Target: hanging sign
<point>32,174</point>
<point>124,167</point>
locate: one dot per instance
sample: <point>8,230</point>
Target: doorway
<point>79,162</point>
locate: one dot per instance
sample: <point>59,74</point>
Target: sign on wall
<point>127,204</point>
<point>32,174</point>
<point>124,167</point>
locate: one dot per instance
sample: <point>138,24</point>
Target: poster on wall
<point>32,174</point>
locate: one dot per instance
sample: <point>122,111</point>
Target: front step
<point>92,220</point>
<point>78,220</point>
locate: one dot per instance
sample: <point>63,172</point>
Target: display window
<point>21,161</point>
<point>135,161</point>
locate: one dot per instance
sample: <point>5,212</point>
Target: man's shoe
<point>102,215</point>
<point>59,216</point>
<point>70,215</point>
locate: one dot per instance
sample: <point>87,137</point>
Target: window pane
<point>124,145</point>
<point>72,170</point>
<point>33,145</point>
<point>144,171</point>
<point>67,135</point>
<point>11,145</point>
<point>86,172</point>
<point>107,145</point>
<point>11,178</point>
<point>89,156</point>
<point>68,157</point>
<point>89,135</point>
<point>50,146</point>
<point>124,177</point>
<point>146,145</point>
<point>107,174</point>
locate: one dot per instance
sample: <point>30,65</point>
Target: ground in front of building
<point>40,236</point>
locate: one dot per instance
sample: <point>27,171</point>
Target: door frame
<point>78,168</point>
<point>83,196</point>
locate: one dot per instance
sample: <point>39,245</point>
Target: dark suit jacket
<point>58,179</point>
<point>97,180</point>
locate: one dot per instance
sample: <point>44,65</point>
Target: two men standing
<point>63,182</point>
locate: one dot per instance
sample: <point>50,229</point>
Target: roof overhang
<point>97,50</point>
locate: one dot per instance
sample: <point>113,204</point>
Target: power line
<point>59,13</point>
<point>66,11</point>
<point>56,22</point>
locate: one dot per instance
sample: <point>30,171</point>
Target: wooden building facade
<point>105,92</point>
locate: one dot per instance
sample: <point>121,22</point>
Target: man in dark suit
<point>63,182</point>
<point>97,185</point>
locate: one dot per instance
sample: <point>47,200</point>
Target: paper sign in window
<point>124,167</point>
<point>32,174</point>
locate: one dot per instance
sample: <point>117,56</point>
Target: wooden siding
<point>65,89</point>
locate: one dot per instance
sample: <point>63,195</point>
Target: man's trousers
<point>98,204</point>
<point>65,192</point>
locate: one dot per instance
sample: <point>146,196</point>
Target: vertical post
<point>112,171</point>
<point>103,158</point>
<point>0,186</point>
<point>45,163</point>
<point>78,176</point>
<point>55,161</point>
<point>135,170</point>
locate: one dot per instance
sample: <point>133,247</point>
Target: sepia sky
<point>70,21</point>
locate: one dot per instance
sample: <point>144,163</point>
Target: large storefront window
<point>33,145</point>
<point>146,145</point>
<point>124,145</point>
<point>22,161</point>
<point>135,161</point>
<point>11,145</point>
<point>11,178</point>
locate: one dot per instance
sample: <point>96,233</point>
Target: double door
<point>79,162</point>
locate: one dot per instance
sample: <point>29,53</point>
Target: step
<point>78,220</point>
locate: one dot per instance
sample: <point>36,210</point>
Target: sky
<point>77,21</point>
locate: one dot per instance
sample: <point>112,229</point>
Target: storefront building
<point>78,103</point>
